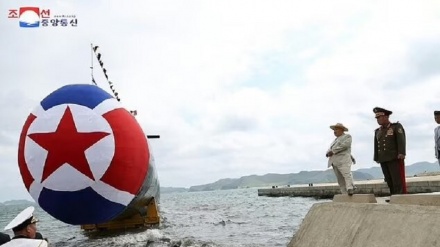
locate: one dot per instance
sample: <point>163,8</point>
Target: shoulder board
<point>398,127</point>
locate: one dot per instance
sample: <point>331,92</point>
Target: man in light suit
<point>437,135</point>
<point>339,157</point>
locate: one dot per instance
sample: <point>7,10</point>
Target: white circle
<point>29,17</point>
<point>66,177</point>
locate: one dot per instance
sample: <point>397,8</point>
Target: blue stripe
<point>80,94</point>
<point>79,207</point>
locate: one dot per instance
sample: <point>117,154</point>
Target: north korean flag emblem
<point>82,157</point>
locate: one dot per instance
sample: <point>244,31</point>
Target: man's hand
<point>329,154</point>
<point>401,156</point>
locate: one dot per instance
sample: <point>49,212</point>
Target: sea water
<point>226,218</point>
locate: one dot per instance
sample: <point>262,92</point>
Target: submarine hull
<point>85,159</point>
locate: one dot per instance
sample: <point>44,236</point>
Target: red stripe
<point>402,175</point>
<point>24,170</point>
<point>34,9</point>
<point>129,166</point>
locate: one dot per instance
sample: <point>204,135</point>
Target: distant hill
<point>272,179</point>
<point>306,177</point>
<point>375,172</point>
<point>165,190</point>
<point>411,170</point>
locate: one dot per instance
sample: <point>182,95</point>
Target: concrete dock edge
<point>334,224</point>
<point>378,188</point>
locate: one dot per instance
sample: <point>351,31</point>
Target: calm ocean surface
<point>228,218</point>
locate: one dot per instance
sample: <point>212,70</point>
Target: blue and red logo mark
<point>31,17</point>
<point>82,156</point>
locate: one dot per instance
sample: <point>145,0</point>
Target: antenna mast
<point>101,64</point>
<point>91,67</point>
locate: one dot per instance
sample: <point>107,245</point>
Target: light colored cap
<point>338,126</point>
<point>23,216</point>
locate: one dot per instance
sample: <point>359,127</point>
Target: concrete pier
<point>407,221</point>
<point>425,184</point>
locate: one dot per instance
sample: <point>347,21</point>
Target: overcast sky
<point>235,87</point>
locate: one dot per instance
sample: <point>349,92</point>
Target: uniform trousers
<point>344,176</point>
<point>391,171</point>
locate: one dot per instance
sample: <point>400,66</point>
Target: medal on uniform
<point>390,132</point>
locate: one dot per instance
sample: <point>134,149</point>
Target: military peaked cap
<point>381,112</point>
<point>22,220</point>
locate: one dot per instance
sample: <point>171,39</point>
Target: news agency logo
<point>31,17</point>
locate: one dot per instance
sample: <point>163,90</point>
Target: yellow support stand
<point>151,219</point>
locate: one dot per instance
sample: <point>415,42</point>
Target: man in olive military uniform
<point>390,150</point>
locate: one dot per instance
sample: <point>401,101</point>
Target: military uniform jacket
<point>26,242</point>
<point>389,142</point>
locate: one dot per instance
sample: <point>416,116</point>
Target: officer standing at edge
<point>390,149</point>
<point>24,226</point>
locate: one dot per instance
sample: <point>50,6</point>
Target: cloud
<point>234,88</point>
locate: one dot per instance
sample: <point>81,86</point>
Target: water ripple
<point>230,218</point>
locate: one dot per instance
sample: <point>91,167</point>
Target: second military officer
<point>390,149</point>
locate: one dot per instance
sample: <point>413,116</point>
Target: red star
<point>67,145</point>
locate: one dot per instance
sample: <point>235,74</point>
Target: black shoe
<point>350,192</point>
